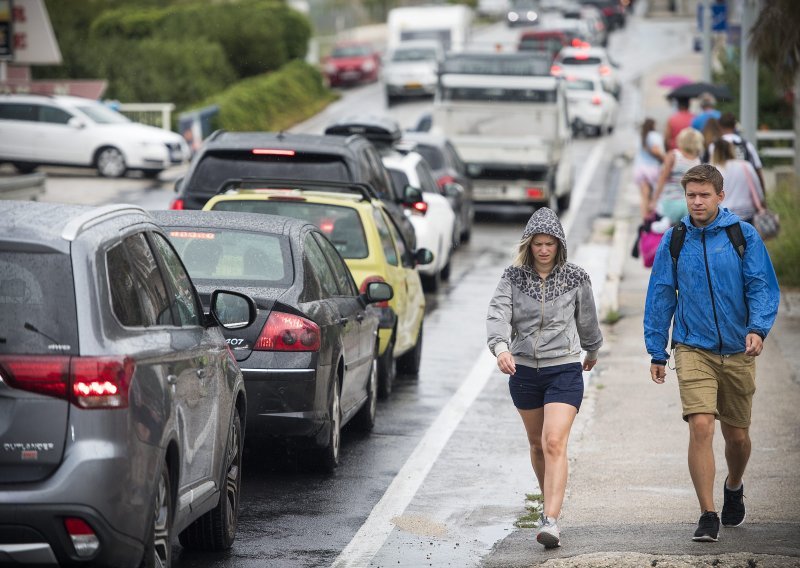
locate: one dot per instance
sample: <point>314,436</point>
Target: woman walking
<point>541,315</point>
<point>668,199</point>
<point>742,186</point>
<point>648,162</point>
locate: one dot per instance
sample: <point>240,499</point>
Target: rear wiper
<point>31,327</point>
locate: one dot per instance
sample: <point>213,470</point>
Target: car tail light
<point>272,152</point>
<point>418,208</point>
<point>555,70</point>
<point>605,70</point>
<point>609,10</point>
<point>47,375</point>
<point>83,537</point>
<point>444,180</point>
<point>288,332</point>
<point>177,204</point>
<point>581,56</point>
<point>326,226</point>
<point>101,382</point>
<point>534,192</point>
<point>366,282</point>
<point>596,100</point>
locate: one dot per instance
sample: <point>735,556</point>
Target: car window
<point>500,94</point>
<point>581,60</point>
<point>426,179</point>
<point>378,176</point>
<point>101,114</point>
<point>321,268</point>
<point>344,281</point>
<point>234,257</point>
<point>53,115</point>
<point>37,289</point>
<point>432,155</point>
<point>342,225</point>
<point>147,280</point>
<point>386,237</point>
<point>456,159</point>
<point>19,111</point>
<point>185,302</point>
<point>579,85</point>
<point>125,302</point>
<point>399,179</point>
<point>343,51</point>
<point>405,254</point>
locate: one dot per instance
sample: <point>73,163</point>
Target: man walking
<point>719,284</point>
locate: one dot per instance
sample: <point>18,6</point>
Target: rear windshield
<point>36,293</point>
<point>233,257</point>
<point>549,44</point>
<point>432,155</point>
<point>581,61</point>
<point>499,94</point>
<point>216,168</point>
<point>342,225</point>
<point>350,51</point>
<point>496,64</point>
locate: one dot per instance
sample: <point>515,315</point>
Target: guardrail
<point>773,150</point>
<point>25,187</point>
<point>154,114</point>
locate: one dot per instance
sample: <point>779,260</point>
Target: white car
<point>411,69</point>
<point>74,131</point>
<point>433,219</point>
<point>585,60</point>
<point>591,108</point>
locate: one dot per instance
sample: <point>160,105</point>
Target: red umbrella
<point>674,81</point>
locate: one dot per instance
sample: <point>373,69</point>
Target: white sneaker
<point>549,536</point>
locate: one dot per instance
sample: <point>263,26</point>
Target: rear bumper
<point>506,192</point>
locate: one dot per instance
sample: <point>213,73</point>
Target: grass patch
<point>600,386</point>
<point>785,249</point>
<point>612,317</point>
<point>534,503</point>
<point>609,231</point>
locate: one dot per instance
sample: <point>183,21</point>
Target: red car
<point>351,62</point>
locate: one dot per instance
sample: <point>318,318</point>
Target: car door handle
<point>172,379</point>
<point>343,321</point>
<point>201,373</point>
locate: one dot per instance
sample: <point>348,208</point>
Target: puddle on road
<point>420,526</point>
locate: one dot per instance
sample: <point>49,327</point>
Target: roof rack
<point>94,216</point>
<point>366,191</point>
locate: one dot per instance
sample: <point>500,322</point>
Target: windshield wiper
<point>31,327</point>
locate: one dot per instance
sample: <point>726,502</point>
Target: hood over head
<point>545,221</point>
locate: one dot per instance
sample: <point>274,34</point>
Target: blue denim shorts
<point>533,388</point>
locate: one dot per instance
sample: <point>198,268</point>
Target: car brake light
<point>605,70</point>
<point>534,192</point>
<point>326,226</point>
<point>101,382</point>
<point>83,537</point>
<point>366,282</point>
<point>444,180</point>
<point>177,204</point>
<point>581,56</point>
<point>271,152</point>
<point>596,100</point>
<point>47,375</point>
<point>419,207</point>
<point>288,332</point>
<point>555,70</point>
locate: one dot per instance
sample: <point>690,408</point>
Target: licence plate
<point>413,85</point>
<point>489,191</point>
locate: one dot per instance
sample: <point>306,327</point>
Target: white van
<point>449,24</point>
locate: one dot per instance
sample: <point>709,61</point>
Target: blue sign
<point>719,17</point>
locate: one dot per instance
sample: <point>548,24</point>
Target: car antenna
<point>281,135</point>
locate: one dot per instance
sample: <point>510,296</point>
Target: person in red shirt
<point>679,120</point>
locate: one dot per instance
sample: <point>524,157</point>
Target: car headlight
<point>368,66</point>
<point>513,16</point>
<point>532,16</point>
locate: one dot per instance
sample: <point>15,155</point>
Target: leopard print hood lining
<point>545,221</point>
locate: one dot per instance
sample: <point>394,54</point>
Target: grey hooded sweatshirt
<point>544,322</point>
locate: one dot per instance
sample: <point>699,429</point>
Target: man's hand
<point>658,373</point>
<point>588,364</point>
<point>753,344</point>
<point>506,363</point>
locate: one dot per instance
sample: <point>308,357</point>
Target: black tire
<point>216,530</point>
<point>25,167</point>
<point>158,545</point>
<point>386,370</point>
<point>365,419</point>
<point>446,270</point>
<point>431,282</point>
<point>328,457</point>
<point>110,162</point>
<point>151,174</point>
<point>408,363</point>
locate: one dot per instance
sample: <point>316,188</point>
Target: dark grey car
<point>121,407</point>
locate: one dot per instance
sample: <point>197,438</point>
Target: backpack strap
<point>736,237</point>
<point>675,245</point>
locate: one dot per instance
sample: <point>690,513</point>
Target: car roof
<point>321,197</point>
<point>233,220</point>
<point>403,162</point>
<point>47,98</point>
<point>427,138</point>
<point>319,143</point>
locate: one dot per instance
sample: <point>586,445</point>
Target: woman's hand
<point>505,361</point>
<point>588,364</point>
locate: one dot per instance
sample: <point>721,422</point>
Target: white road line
<point>376,529</point>
<point>579,191</point>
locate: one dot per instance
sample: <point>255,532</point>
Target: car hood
<point>410,66</point>
<point>143,131</point>
<point>348,61</point>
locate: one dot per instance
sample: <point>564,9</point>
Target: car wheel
<point>110,162</point>
<point>216,530</point>
<point>25,167</point>
<point>365,419</point>
<point>408,364</point>
<point>329,455</point>
<point>158,547</point>
<point>386,370</point>
<point>446,270</point>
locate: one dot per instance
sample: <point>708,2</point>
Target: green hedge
<point>785,249</point>
<point>274,101</point>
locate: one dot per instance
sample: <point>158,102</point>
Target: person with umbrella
<point>679,120</point>
<point>708,103</point>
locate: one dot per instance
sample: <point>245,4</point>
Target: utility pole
<point>705,8</point>
<point>748,82</point>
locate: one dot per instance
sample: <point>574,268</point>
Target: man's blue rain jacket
<point>722,298</point>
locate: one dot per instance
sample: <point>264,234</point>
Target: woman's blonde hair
<point>524,256</point>
<point>690,141</point>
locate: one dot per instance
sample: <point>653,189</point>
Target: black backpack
<point>735,236</point>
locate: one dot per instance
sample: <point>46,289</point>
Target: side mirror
<point>423,256</point>
<point>411,195</point>
<point>232,310</point>
<point>378,292</point>
<point>178,183</point>
<point>453,190</point>
<point>76,123</point>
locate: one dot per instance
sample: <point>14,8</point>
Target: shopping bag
<point>648,244</point>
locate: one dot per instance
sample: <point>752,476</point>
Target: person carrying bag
<point>766,222</point>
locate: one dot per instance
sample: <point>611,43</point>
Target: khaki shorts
<point>722,385</point>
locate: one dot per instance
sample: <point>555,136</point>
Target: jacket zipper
<point>711,290</point>
<point>541,323</point>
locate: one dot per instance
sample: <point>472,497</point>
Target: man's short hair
<point>727,121</point>
<point>704,173</point>
<point>707,100</point>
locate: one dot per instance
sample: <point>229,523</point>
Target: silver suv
<point>121,407</point>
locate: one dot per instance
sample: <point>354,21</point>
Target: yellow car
<point>357,224</point>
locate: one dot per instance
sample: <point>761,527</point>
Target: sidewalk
<point>630,501</point>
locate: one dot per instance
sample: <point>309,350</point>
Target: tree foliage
<point>775,38</point>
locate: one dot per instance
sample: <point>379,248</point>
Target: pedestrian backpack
<point>740,151</point>
<point>735,236</point>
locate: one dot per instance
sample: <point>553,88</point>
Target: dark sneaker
<point>707,528</point>
<point>733,511</point>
